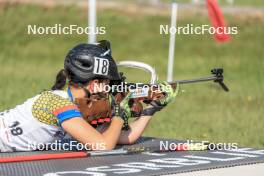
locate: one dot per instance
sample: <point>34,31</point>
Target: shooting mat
<point>136,164</point>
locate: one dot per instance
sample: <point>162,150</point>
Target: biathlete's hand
<point>170,93</point>
<point>123,110</point>
<point>157,105</point>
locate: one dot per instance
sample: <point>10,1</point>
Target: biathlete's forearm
<point>112,133</point>
<point>136,129</point>
<point>80,130</point>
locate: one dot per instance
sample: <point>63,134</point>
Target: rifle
<point>140,94</point>
<point>144,93</point>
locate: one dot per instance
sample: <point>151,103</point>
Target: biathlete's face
<point>97,85</point>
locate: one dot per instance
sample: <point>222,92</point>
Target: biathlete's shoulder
<point>54,106</point>
<point>61,93</point>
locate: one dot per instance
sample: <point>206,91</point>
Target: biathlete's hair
<point>61,80</point>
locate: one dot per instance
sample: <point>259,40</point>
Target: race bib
<point>101,66</point>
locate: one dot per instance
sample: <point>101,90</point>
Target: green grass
<point>204,112</point>
<point>252,3</point>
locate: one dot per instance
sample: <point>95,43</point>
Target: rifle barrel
<point>218,78</point>
<point>189,81</point>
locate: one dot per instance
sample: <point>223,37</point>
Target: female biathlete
<point>52,114</point>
